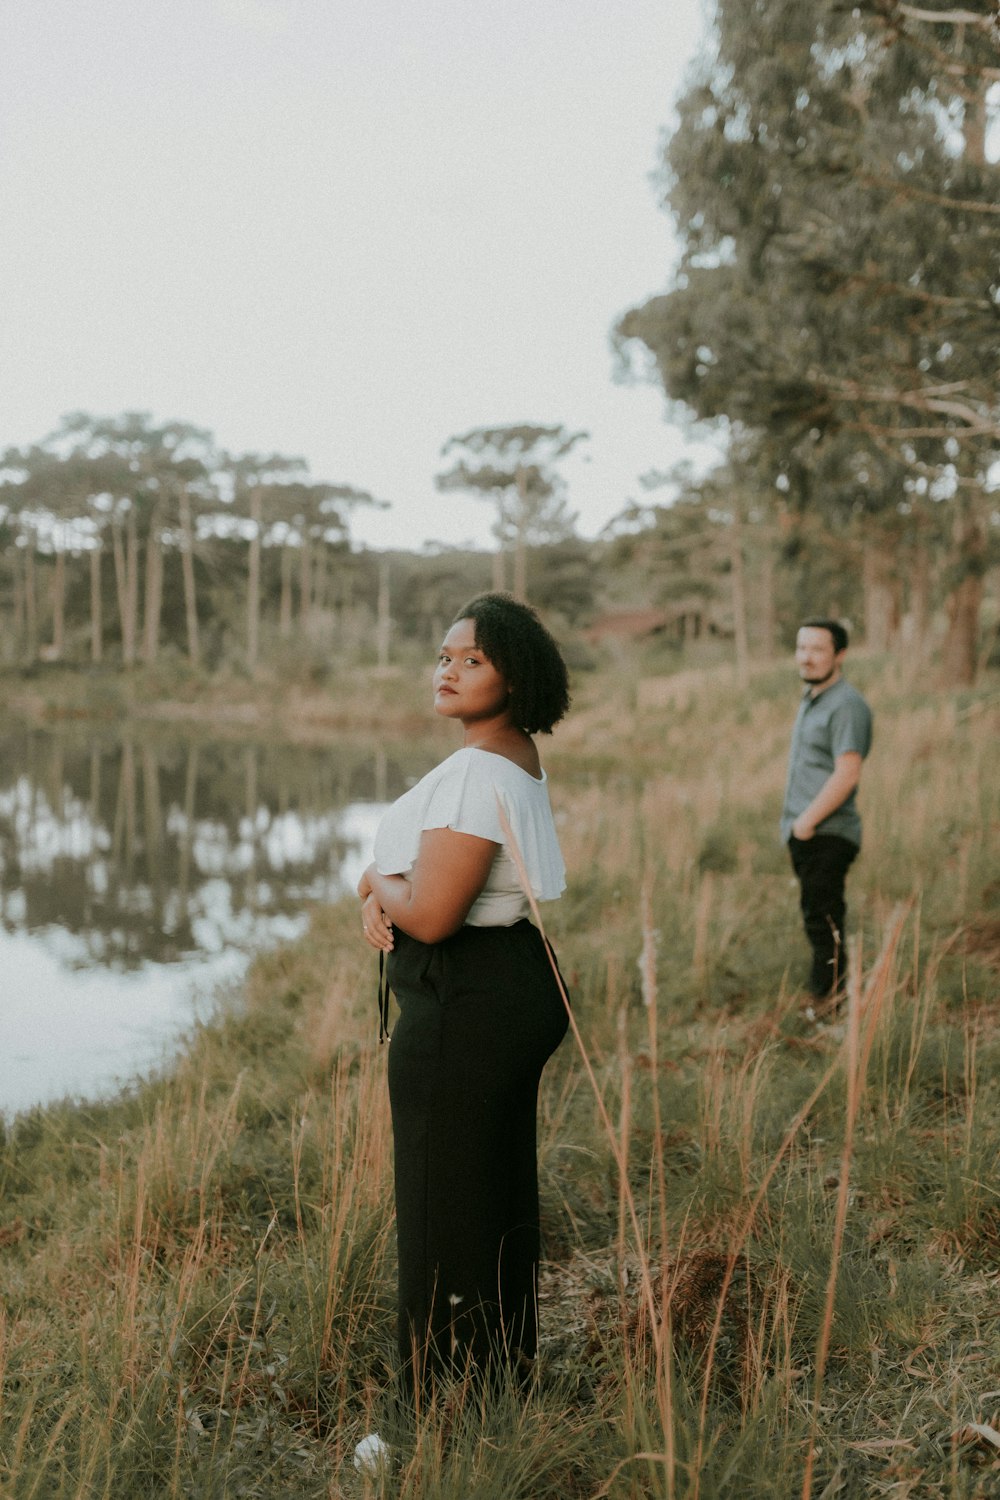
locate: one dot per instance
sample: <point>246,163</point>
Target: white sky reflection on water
<point>67,1030</point>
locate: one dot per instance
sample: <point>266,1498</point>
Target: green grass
<point>772,1247</point>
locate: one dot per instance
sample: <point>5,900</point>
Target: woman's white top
<point>466,792</point>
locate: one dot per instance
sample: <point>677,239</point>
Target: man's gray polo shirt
<point>835,721</point>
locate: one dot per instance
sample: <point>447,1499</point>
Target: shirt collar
<point>807,696</point>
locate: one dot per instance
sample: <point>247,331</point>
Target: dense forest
<point>834,318</point>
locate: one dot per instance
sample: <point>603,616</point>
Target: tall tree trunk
<point>127,583</point>
<point>499,563</point>
<point>253,580</point>
<point>383,626</point>
<point>132,572</point>
<point>738,596</point>
<point>96,614</point>
<point>154,589</point>
<point>285,606</point>
<point>305,586</point>
<point>187,573</point>
<point>974,123</point>
<point>320,576</point>
<point>520,538</point>
<point>961,646</point>
<point>498,570</point>
<point>881,604</point>
<point>920,595</point>
<point>59,606</point>
<point>121,592</point>
<point>16,645</point>
<point>119,554</point>
<point>960,657</point>
<point>30,601</point>
<point>768,609</point>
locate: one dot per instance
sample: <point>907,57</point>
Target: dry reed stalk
<point>737,1251</point>
<point>187,1280</point>
<point>346,1185</point>
<point>851,1044</point>
<point>660,1327</point>
<point>128,1299</point>
<point>922,1006</point>
<point>864,1012</point>
<point>714,1091</point>
<point>970,1076</point>
<point>749,1095</point>
<point>610,1133</point>
<point>46,1465</point>
<point>662,1331</point>
<point>625,1123</point>
<point>624,1126</point>
<point>769,1345</point>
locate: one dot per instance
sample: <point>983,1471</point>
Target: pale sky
<point>343,229</point>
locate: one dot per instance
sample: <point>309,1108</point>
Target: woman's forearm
<point>434,899</point>
<point>407,908</point>
<point>393,893</point>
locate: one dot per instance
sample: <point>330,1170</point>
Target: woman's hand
<point>376,926</point>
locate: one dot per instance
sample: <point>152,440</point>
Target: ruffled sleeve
<point>466,792</point>
<point>464,799</point>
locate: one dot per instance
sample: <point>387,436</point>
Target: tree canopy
<point>838,295</point>
<point>515,468</point>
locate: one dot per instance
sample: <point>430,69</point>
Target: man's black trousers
<point>479,1015</point>
<point>821,864</point>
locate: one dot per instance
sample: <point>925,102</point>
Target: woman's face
<point>467,686</point>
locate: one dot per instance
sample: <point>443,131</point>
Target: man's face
<point>815,657</point>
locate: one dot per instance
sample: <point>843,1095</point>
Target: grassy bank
<point>771,1246</point>
<point>293,700</point>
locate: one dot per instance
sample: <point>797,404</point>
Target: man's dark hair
<point>514,639</point>
<point>836,629</point>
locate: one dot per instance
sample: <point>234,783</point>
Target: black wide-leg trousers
<point>480,1013</point>
<point>821,864</point>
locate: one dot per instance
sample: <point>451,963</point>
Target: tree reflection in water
<point>129,857</point>
<point>156,849</point>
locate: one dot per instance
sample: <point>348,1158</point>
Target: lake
<point>139,872</point>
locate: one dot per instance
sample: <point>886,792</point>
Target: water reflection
<point>131,863</point>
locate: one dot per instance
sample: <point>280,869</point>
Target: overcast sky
<point>344,229</point>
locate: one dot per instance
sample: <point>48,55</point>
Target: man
<point>820,821</point>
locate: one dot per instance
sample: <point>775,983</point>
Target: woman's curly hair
<point>517,643</point>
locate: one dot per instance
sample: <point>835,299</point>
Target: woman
<point>480,1007</point>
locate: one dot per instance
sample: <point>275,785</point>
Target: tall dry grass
<point>771,1245</point>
